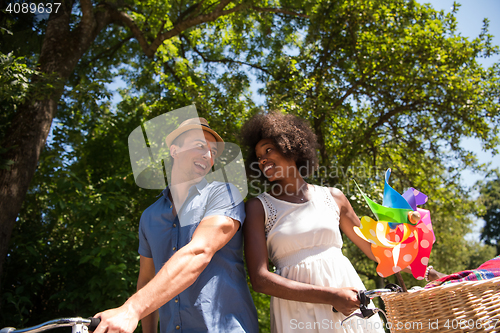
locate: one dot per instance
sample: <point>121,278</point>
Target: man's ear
<point>173,150</point>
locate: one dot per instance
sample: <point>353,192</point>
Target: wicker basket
<point>456,307</point>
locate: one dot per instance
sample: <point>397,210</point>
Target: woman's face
<point>272,163</point>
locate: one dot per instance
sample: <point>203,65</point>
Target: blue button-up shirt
<point>219,300</point>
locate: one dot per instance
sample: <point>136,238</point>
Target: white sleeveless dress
<point>304,243</point>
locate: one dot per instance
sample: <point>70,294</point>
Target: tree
<point>383,84</point>
<point>406,80</point>
<point>490,198</point>
<point>71,32</point>
<point>390,84</point>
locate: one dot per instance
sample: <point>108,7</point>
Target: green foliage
<point>378,76</point>
<point>382,83</point>
<point>21,33</point>
<point>478,254</point>
<point>74,249</point>
<point>490,198</point>
<point>14,86</point>
<point>14,80</point>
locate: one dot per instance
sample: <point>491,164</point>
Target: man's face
<point>196,153</point>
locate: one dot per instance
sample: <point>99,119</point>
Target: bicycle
<point>457,307</point>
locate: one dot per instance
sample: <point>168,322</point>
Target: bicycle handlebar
<point>377,292</point>
<point>364,297</point>
<point>91,323</point>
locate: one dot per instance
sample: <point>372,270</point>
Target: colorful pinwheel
<point>403,236</point>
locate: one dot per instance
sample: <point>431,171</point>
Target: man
<point>190,246</point>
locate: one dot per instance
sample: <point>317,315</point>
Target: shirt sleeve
<point>225,199</point>
<point>144,248</point>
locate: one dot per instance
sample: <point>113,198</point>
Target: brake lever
<point>365,312</point>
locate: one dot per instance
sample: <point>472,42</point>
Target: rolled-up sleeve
<point>225,200</point>
<point>144,248</point>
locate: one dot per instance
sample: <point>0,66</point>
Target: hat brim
<point>177,132</point>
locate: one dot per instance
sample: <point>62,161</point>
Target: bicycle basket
<point>472,306</point>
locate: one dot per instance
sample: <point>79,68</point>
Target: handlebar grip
<point>94,322</point>
<point>361,297</point>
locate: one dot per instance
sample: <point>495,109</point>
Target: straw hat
<point>195,123</point>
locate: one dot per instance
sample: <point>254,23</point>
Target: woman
<point>297,225</point>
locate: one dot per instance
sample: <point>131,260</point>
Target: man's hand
<point>118,320</point>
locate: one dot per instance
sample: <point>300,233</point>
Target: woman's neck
<point>294,188</point>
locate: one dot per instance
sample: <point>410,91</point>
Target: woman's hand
<point>434,275</point>
<point>345,300</point>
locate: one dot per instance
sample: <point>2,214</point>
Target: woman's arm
<point>348,220</point>
<point>343,299</point>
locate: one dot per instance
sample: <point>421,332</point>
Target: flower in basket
<point>403,236</point>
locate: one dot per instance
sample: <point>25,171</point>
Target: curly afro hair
<point>291,135</point>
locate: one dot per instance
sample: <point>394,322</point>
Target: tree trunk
<point>318,130</point>
<point>61,51</point>
<point>28,134</point>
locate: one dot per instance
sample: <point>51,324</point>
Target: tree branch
<point>348,93</point>
<point>200,5</point>
<point>364,139</point>
<point>182,26</point>
<point>384,118</point>
<point>222,60</point>
<point>172,71</point>
<point>188,12</point>
<point>124,19</point>
<point>110,50</point>
<point>87,12</point>
<point>279,11</point>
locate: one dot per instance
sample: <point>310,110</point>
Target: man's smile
<point>201,165</point>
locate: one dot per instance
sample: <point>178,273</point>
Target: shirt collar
<point>198,186</point>
<point>201,185</point>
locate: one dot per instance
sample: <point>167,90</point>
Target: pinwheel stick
<point>401,282</point>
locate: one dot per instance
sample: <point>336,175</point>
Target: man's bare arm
<point>178,273</point>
